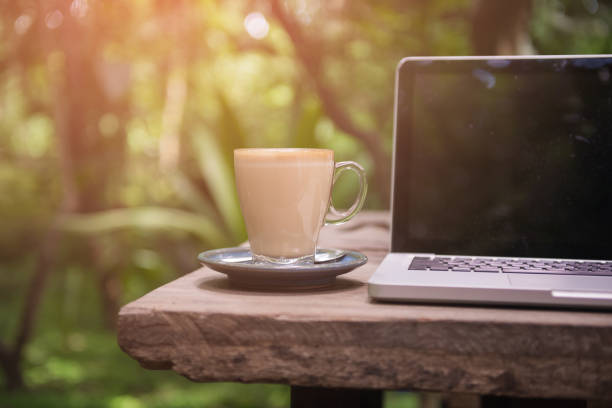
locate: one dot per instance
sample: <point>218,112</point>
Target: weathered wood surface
<point>206,330</point>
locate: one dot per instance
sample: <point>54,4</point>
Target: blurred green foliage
<point>117,126</point>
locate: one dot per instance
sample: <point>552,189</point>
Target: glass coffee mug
<point>285,197</point>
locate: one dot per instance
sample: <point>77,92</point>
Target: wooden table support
<point>336,338</point>
<point>489,401</point>
<point>309,397</point>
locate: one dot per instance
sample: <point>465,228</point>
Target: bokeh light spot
<point>280,96</point>
<point>591,5</point>
<point>79,8</point>
<point>54,19</point>
<point>125,401</point>
<point>34,137</point>
<point>256,25</point>
<point>22,24</point>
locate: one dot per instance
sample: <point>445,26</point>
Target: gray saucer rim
<point>350,261</point>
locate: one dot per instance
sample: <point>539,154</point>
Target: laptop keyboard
<point>511,265</point>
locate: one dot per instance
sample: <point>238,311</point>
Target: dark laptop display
<point>504,157</point>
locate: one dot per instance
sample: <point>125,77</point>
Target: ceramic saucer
<point>241,270</point>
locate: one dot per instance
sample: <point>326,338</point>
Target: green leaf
<point>231,134</point>
<point>304,135</point>
<point>146,218</point>
<point>218,173</point>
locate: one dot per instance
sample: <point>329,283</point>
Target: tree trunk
<point>10,357</point>
<point>10,363</point>
<point>310,57</point>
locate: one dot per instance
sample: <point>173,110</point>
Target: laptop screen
<point>504,157</point>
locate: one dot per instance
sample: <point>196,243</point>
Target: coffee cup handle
<point>341,217</point>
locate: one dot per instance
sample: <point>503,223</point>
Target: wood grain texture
<point>206,330</point>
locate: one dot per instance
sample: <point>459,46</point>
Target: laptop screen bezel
<point>404,79</point>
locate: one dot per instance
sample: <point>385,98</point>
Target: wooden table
<point>337,338</point>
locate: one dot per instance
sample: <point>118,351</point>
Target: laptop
<point>502,182</point>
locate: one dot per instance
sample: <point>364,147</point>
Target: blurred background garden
<point>117,125</point>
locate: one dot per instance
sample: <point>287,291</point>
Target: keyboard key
<point>486,269</point>
<point>512,270</point>
<point>417,267</point>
